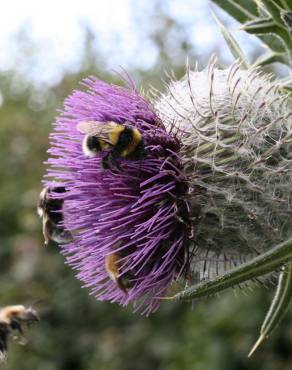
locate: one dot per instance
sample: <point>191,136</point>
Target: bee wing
<point>89,127</point>
<point>96,128</point>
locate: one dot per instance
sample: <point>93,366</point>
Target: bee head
<point>21,314</point>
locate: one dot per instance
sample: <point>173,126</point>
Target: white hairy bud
<point>235,130</point>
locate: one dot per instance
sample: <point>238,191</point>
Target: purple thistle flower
<point>138,212</point>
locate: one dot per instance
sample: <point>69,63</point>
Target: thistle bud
<point>235,134</point>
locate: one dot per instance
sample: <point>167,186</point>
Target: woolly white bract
<point>235,130</point>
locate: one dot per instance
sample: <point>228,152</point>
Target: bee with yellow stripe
<point>13,319</point>
<point>121,141</point>
<point>113,269</point>
<point>50,210</point>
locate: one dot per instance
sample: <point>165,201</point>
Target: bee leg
<point>121,285</point>
<point>105,162</point>
<point>108,159</point>
<point>15,325</point>
<point>116,163</point>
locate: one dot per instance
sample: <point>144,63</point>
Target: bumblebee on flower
<point>131,210</point>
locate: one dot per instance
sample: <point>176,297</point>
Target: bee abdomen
<point>51,211</point>
<point>128,141</point>
<point>55,232</point>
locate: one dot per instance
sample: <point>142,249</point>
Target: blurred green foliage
<point>76,332</point>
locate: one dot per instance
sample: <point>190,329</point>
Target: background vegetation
<point>76,332</point>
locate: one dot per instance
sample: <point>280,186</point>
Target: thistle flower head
<point>212,191</point>
<point>235,131</point>
<point>134,213</point>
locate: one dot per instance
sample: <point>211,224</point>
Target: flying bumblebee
<point>112,266</point>
<point>50,210</point>
<point>13,318</point>
<point>121,141</point>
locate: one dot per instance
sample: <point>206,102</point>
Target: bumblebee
<point>113,267</point>
<point>50,210</point>
<point>121,141</point>
<point>13,318</point>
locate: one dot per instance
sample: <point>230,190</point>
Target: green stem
<point>260,265</point>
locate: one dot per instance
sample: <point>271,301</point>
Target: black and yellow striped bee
<point>113,269</point>
<point>13,318</point>
<point>50,210</point>
<point>122,141</point>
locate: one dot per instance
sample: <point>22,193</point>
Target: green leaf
<point>279,306</point>
<point>264,18</point>
<point>260,26</point>
<point>241,10</point>
<point>231,42</point>
<point>268,58</point>
<point>287,4</point>
<point>287,18</point>
<point>260,265</point>
<point>274,9</point>
<point>267,25</point>
<point>272,57</point>
<point>274,42</point>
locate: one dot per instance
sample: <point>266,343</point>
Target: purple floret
<point>138,211</point>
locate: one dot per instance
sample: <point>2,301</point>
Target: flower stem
<point>260,265</point>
